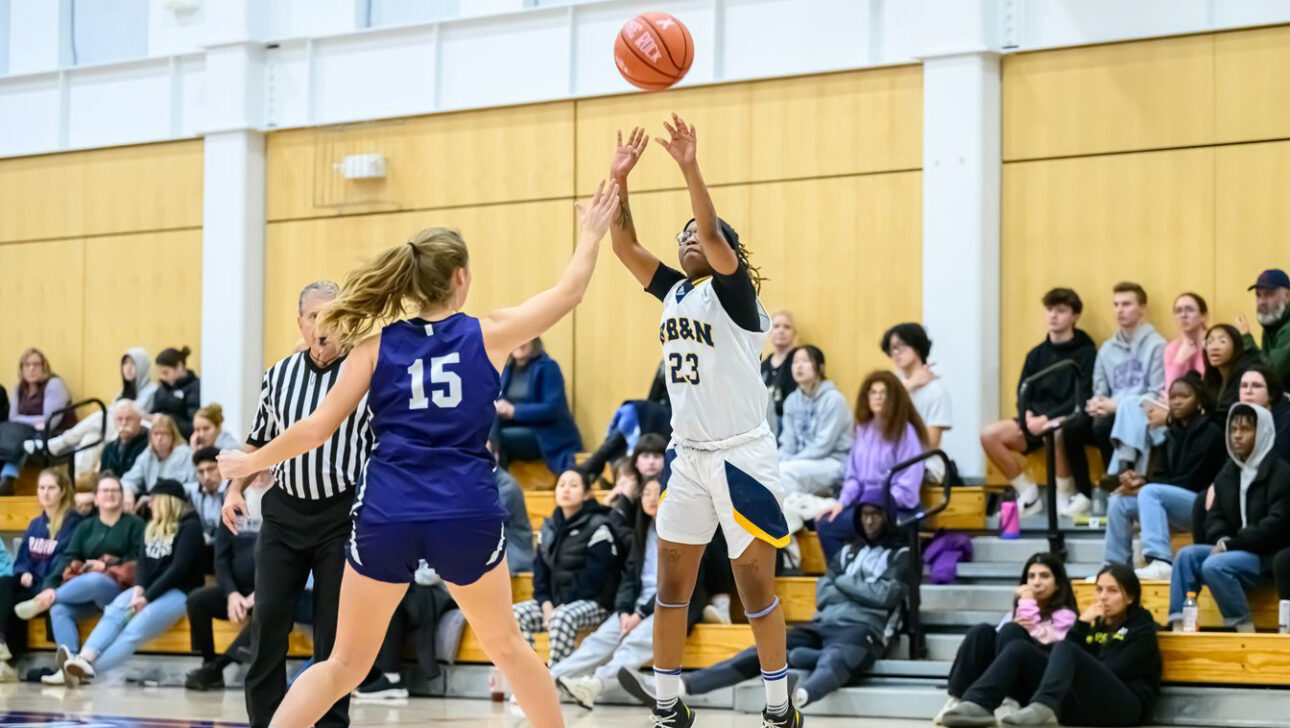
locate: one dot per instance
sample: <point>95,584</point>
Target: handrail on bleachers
<point>1056,539</point>
<point>69,456</point>
<point>910,522</point>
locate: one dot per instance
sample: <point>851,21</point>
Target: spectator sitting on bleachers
<point>7,672</point>
<point>1050,401</point>
<point>232,598</point>
<point>208,430</point>
<point>888,431</point>
<point>815,432</point>
<point>1259,385</point>
<point>1247,524</point>
<point>1186,353</point>
<point>131,438</point>
<point>179,392</point>
<point>165,457</point>
<point>1106,672</point>
<point>426,602</point>
<point>1193,455</point>
<point>625,638</point>
<point>206,491</point>
<point>857,607</point>
<point>634,419</point>
<point>908,347</point>
<point>518,528</point>
<point>42,545</point>
<point>1272,296</point>
<point>649,456</point>
<point>1226,359</point>
<point>1129,364</point>
<point>39,394</point>
<point>136,378</point>
<point>534,421</point>
<point>573,579</point>
<point>1042,613</point>
<point>169,568</point>
<point>776,368</point>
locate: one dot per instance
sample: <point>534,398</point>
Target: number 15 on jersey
<point>446,398</point>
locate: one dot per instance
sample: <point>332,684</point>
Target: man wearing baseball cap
<point>1272,292</point>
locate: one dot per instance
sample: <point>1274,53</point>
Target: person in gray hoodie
<point>815,438</point>
<point>1246,526</point>
<point>1128,365</point>
<point>136,378</point>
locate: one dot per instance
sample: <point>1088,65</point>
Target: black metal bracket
<point>1056,537</point>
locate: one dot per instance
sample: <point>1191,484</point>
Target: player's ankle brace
<point>764,612</point>
<point>679,605</point>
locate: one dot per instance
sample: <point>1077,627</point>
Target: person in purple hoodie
<point>888,431</point>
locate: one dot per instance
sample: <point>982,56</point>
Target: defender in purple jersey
<point>428,490</point>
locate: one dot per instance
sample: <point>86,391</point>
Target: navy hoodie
<point>39,552</point>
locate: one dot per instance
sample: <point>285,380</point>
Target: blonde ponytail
<point>418,272</point>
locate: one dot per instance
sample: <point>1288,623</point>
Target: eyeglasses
<point>685,235</point>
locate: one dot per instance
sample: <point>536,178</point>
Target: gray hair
<point>327,289</point>
<point>126,404</point>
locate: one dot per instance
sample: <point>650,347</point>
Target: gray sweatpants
<point>813,477</point>
<point>604,651</point>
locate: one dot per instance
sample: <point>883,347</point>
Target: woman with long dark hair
<point>1226,359</point>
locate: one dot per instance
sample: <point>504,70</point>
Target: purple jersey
<point>431,400</point>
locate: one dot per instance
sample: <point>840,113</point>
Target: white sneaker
<point>78,668</point>
<point>27,609</point>
<point>1005,709</point>
<point>1079,506</point>
<point>1156,571</point>
<point>713,615</point>
<point>8,673</point>
<point>583,690</point>
<point>950,704</point>
<point>56,679</point>
<point>1032,501</point>
<point>5,654</point>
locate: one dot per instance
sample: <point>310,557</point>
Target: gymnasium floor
<point>30,707</point>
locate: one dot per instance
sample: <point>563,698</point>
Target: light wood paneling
<point>1241,659</point>
<point>796,129</point>
<point>44,297</point>
<point>142,290</point>
<point>1155,597</point>
<point>1252,88</point>
<point>722,122</point>
<point>467,158</point>
<point>516,250</point>
<point>103,191</point>
<point>1251,223</point>
<point>174,641</point>
<point>1108,98</point>
<point>1089,222</point>
<point>16,511</point>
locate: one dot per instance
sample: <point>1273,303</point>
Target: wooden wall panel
<point>141,290</point>
<point>34,199</point>
<point>446,160</point>
<point>842,123</point>
<point>44,293</point>
<point>1251,222</point>
<point>1089,222</point>
<point>1252,88</point>
<point>516,250</point>
<point>1109,98</point>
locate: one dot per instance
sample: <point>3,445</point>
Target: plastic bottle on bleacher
<point>1283,616</point>
<point>1191,613</point>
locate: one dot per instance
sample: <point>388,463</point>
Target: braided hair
<point>741,253</point>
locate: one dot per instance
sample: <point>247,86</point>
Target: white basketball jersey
<point>711,365</point>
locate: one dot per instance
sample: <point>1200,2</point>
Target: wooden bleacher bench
<point>16,511</point>
<point>174,641</point>
<point>1155,597</point>
<point>1036,467</point>
<point>532,475</point>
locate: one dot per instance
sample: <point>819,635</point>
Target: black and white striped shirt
<point>292,389</point>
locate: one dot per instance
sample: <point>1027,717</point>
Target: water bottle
<point>497,687</point>
<point>1009,517</point>
<point>1191,613</point>
<point>1283,618</point>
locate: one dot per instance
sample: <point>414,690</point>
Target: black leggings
<point>1079,431</point>
<point>1281,572</point>
<point>13,630</point>
<point>1075,684</point>
<point>979,649</point>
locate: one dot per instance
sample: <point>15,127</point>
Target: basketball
<point>653,51</point>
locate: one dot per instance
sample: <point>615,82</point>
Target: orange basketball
<point>653,51</point>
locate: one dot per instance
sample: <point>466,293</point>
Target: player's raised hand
<point>627,155</point>
<point>682,141</point>
<point>594,216</point>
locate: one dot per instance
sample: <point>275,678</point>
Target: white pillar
<point>233,211</point>
<point>961,167</point>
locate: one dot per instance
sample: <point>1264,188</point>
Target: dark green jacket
<point>1276,346</point>
<point>122,542</point>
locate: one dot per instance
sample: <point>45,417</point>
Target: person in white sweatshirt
<point>815,437</point>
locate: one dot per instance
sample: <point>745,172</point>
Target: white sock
<point>722,603</point>
<point>776,682</point>
<point>667,687</point>
<point>1065,486</point>
<point>1027,491</point>
<point>1022,483</point>
<point>393,677</point>
<point>800,698</point>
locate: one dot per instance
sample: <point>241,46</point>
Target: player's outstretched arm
<point>507,328</point>
<point>682,145</point>
<point>312,431</point>
<point>622,230</point>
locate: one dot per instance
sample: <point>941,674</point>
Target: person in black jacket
<point>1105,673</point>
<point>1193,455</point>
<point>1049,402</point>
<point>777,367</point>
<point>179,391</point>
<point>1259,385</point>
<point>1247,524</point>
<point>131,439</point>
<point>635,419</point>
<point>1226,359</point>
<point>170,568</point>
<point>574,581</point>
<point>625,639</point>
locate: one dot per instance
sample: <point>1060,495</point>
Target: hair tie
<point>413,246</point>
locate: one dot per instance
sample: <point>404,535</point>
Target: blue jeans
<point>1227,575</point>
<point>1162,508</point>
<point>1121,512</point>
<point>119,633</point>
<point>1131,429</point>
<point>78,599</point>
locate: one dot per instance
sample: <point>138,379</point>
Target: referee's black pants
<point>297,536</point>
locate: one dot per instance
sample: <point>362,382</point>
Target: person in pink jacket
<point>1186,353</point>
<point>1043,611</point>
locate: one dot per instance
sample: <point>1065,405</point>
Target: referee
<point>306,517</point>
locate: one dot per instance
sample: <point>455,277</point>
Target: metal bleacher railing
<point>1056,538</point>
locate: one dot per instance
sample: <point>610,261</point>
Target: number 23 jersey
<point>711,365</point>
<point>431,400</point>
